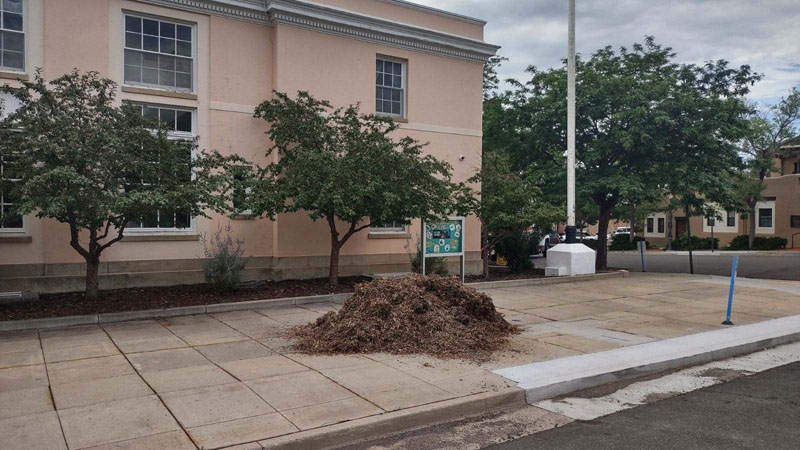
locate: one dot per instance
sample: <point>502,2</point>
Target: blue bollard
<point>730,292</point>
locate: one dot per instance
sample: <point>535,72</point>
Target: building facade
<point>202,66</point>
<point>778,214</point>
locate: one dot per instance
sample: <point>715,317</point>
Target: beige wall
<point>237,65</point>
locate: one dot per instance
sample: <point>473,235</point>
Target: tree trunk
<point>689,234</point>
<point>92,282</point>
<point>669,229</point>
<point>601,262</point>
<point>333,273</point>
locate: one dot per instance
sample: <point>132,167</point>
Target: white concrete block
<point>576,259</point>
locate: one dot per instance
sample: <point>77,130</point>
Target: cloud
<point>762,34</point>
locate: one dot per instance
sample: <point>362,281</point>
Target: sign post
<point>443,238</point>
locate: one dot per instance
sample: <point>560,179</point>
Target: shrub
<point>224,260</point>
<point>433,266</point>
<point>620,242</point>
<point>698,243</point>
<point>741,242</point>
<point>515,249</point>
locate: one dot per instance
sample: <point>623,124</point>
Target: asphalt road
<point>761,411</point>
<point>750,266</point>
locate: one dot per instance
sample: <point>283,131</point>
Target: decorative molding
<point>342,22</point>
<point>158,92</point>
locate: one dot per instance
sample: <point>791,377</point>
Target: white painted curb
<point>547,379</point>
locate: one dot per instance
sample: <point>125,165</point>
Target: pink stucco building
<point>208,63</point>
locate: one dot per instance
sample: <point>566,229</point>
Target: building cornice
<point>342,22</point>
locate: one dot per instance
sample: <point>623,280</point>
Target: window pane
<point>150,220</point>
<point>379,79</point>
<point>133,58</point>
<point>166,219</point>
<point>167,29</point>
<point>397,82</point>
<point>133,24</point>
<point>183,65</point>
<point>387,80</point>
<point>398,69</point>
<point>396,95</point>
<point>387,106</point>
<point>149,60</point>
<point>166,63</point>
<point>13,60</point>
<point>168,46</point>
<point>133,74</point>
<point>184,33</point>
<point>150,27</point>
<point>168,118</point>
<point>150,76</point>
<point>379,66</point>
<point>396,108</point>
<point>184,121</point>
<point>184,48</point>
<point>12,5</point>
<point>378,105</point>
<point>183,80</point>
<point>133,40</point>
<point>12,21</point>
<point>150,113</point>
<point>13,41</point>
<point>166,78</point>
<point>182,220</point>
<point>10,220</point>
<point>150,43</point>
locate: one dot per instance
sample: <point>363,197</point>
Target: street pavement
<point>750,266</point>
<point>759,411</point>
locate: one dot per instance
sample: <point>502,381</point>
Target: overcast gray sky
<point>762,33</point>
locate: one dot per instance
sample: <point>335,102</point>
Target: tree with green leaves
<point>79,159</point>
<point>509,203</point>
<point>345,168</point>
<point>628,104</point>
<point>768,132</point>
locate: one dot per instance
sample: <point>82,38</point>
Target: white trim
<point>770,204</point>
<point>655,217</point>
<point>342,22</point>
<point>403,86</point>
<point>721,223</point>
<point>25,51</point>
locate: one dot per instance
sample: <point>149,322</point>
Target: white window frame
<point>768,204</point>
<point>655,217</point>
<point>24,41</point>
<point>403,87</point>
<point>193,26</point>
<point>401,228</point>
<point>721,223</point>
<point>172,135</point>
<point>4,99</point>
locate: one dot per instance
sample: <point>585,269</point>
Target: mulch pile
<point>410,314</point>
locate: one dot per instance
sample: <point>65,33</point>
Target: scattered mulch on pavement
<point>137,299</point>
<point>499,273</point>
<point>407,315</point>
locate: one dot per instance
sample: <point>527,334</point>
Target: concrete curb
<point>398,421</point>
<point>55,322</point>
<point>552,378</point>
<point>787,254</point>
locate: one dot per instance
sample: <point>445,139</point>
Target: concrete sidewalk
<point>212,381</point>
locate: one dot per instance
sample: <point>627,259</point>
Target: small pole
<point>422,245</point>
<point>730,292</point>
<point>642,247</point>
<point>463,267</point>
<point>712,235</point>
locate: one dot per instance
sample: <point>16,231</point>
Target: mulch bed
<point>137,299</point>
<point>408,315</point>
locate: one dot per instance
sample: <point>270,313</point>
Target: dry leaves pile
<point>411,314</point>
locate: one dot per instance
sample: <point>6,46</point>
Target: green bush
<point>515,249</point>
<point>698,243</point>
<point>224,260</point>
<point>433,266</point>
<point>741,242</point>
<point>620,242</point>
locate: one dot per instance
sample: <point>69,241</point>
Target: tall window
<point>390,87</point>
<point>731,218</point>
<point>661,225</point>
<point>12,36</point>
<point>180,124</point>
<point>765,217</point>
<point>158,53</point>
<point>650,224</point>
<point>796,167</point>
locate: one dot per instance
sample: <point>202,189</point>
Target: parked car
<point>622,230</point>
<point>549,240</point>
<point>580,236</point>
